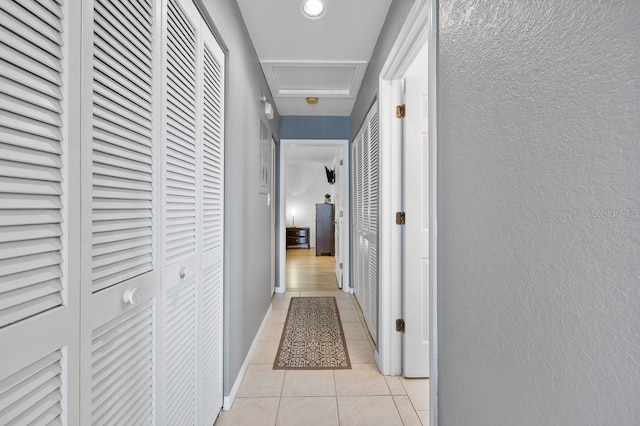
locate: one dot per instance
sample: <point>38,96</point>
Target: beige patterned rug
<point>312,337</point>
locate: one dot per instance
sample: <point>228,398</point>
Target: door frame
<point>417,30</point>
<point>273,223</point>
<point>345,188</point>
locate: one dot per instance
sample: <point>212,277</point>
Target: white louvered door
<point>111,188</point>
<point>365,230</point>
<point>210,300</point>
<point>182,165</point>
<point>39,306</point>
<point>193,197</point>
<point>120,282</point>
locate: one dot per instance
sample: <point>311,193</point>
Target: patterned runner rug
<point>312,337</point>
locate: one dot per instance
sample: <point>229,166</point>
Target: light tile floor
<point>360,396</point>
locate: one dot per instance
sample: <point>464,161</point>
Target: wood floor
<point>308,272</point>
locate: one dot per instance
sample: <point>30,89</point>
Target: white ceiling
<point>325,58</point>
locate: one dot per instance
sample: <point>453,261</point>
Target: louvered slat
<point>210,336</point>
<point>122,144</point>
<point>30,169</point>
<point>33,395</point>
<point>212,159</point>
<point>180,157</point>
<point>180,353</point>
<point>122,368</point>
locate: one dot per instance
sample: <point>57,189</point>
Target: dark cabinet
<point>298,238</point>
<point>325,229</point>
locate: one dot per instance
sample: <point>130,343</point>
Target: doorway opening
<point>314,215</point>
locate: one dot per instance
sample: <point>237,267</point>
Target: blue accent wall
<point>314,127</point>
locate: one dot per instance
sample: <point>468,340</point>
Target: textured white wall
<point>539,212</point>
<point>306,185</point>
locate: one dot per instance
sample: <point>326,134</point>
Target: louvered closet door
<point>193,220</point>
<point>355,242</point>
<point>38,299</point>
<point>365,243</point>
<point>372,229</point>
<point>182,166</point>
<point>210,307</point>
<point>120,282</point>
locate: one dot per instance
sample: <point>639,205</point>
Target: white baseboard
<point>281,290</point>
<point>228,399</point>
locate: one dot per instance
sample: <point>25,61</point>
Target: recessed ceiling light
<point>313,9</point>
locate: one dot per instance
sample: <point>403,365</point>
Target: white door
<point>181,204</point>
<point>120,280</point>
<point>191,357</point>
<point>416,231</point>
<point>39,286</point>
<point>365,219</point>
<point>210,300</point>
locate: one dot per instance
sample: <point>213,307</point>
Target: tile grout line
<point>284,378</point>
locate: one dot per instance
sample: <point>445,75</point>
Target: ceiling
<point>324,58</point>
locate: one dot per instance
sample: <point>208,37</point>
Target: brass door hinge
<point>400,111</point>
<point>400,218</point>
<point>400,325</point>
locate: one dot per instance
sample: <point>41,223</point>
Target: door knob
<point>184,271</point>
<point>132,296</point>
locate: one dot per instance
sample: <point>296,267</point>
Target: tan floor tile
<point>354,331</point>
<point>286,295</point>
<point>360,352</point>
<point>424,417</point>
<point>395,385</point>
<point>362,379</point>
<point>272,331</point>
<point>407,413</point>
<point>277,316</point>
<point>265,352</point>
<point>314,294</point>
<point>308,411</point>
<point>418,392</point>
<point>309,383</point>
<point>350,315</point>
<point>368,411</point>
<point>341,295</point>
<point>261,380</point>
<point>250,412</point>
<point>280,304</point>
<point>344,304</point>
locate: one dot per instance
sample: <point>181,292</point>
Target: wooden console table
<point>298,238</point>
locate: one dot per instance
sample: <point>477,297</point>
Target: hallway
<point>360,396</point>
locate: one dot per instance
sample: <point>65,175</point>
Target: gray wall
<point>314,127</point>
<point>396,16</point>
<point>247,216</point>
<point>539,258</point>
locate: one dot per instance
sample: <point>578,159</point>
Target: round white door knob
<point>132,296</point>
<point>184,271</point>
